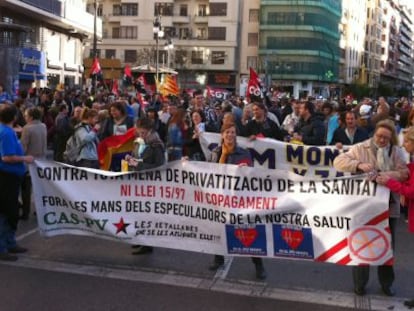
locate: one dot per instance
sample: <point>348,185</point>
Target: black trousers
<point>386,274</point>
<point>9,197</point>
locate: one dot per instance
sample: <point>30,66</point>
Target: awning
<point>151,69</point>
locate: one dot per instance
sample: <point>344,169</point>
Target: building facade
<point>352,43</point>
<point>299,45</point>
<point>42,43</point>
<point>204,35</point>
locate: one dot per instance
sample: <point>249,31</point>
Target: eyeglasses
<point>380,136</point>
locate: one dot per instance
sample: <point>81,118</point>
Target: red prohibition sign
<point>368,244</point>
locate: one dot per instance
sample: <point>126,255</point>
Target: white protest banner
<point>219,209</point>
<point>270,153</point>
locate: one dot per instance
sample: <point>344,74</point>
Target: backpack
<point>73,148</point>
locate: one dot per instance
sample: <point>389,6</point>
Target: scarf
<point>383,158</point>
<point>225,151</point>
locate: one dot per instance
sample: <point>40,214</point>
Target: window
<point>130,56</point>
<point>184,33</point>
<point>218,9</point>
<point>202,10</point>
<point>98,53</point>
<point>125,9</point>
<point>130,9</point>
<point>124,32</point>
<point>252,39</point>
<point>218,57</point>
<point>183,10</point>
<point>169,32</point>
<point>253,15</point>
<point>197,57</point>
<point>181,57</point>
<point>163,9</point>
<point>217,33</point>
<point>202,33</point>
<point>110,53</point>
<point>99,10</point>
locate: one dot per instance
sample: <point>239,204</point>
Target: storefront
<point>32,69</point>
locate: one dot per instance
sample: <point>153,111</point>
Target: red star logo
<point>121,226</point>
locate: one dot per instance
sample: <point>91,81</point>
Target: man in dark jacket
<point>311,129</point>
<point>261,125</point>
<point>349,134</point>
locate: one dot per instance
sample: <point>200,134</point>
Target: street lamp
<point>159,33</point>
<point>168,46</point>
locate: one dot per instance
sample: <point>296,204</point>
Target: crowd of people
<point>169,128</point>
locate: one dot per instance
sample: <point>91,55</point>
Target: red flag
<point>115,87</point>
<point>96,67</point>
<point>127,71</point>
<point>254,86</point>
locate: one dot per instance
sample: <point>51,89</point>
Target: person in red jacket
<point>405,188</point>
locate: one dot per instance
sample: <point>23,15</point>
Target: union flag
<point>254,87</point>
<point>96,67</point>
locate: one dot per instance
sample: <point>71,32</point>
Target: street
<point>83,273</point>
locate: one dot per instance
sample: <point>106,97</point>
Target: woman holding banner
<point>149,152</point>
<point>12,170</point>
<point>86,132</point>
<point>228,152</point>
<point>404,188</point>
<point>380,153</point>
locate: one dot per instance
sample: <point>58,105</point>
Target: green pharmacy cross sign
<point>329,75</point>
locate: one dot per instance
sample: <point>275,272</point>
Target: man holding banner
<point>379,153</point>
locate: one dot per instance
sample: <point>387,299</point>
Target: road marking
<point>218,284</point>
<point>26,234</point>
<point>222,272</point>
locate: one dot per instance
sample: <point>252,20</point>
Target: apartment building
<point>42,42</point>
<point>204,35</point>
<point>352,43</point>
<point>396,65</point>
<point>299,45</point>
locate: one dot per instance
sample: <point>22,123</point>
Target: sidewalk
<point>287,279</point>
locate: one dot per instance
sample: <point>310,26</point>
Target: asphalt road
<point>82,273</point>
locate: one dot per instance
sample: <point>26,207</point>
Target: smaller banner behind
<point>219,209</point>
<point>270,153</point>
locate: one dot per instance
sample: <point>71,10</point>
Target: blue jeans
<point>7,235</point>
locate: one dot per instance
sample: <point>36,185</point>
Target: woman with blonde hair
<point>229,152</point>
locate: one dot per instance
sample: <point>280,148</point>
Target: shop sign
<point>32,64</point>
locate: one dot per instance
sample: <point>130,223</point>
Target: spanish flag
<point>113,149</point>
<point>169,87</point>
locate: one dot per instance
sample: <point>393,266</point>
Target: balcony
<point>200,19</point>
<point>51,6</point>
<point>82,20</point>
<point>176,19</point>
<point>112,18</point>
